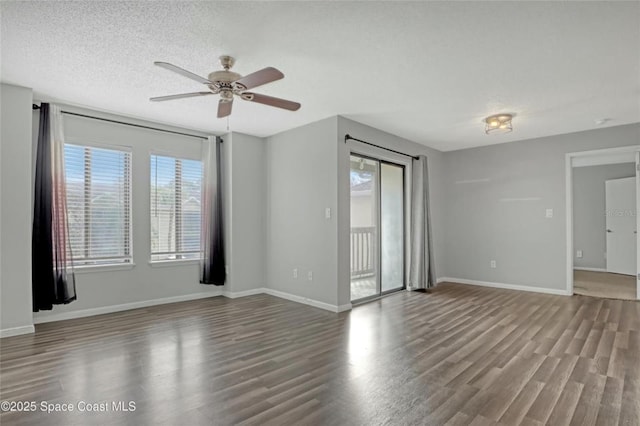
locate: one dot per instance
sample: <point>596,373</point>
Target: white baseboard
<point>345,307</point>
<point>233,295</point>
<point>236,294</point>
<point>506,286</point>
<point>288,296</point>
<point>589,269</point>
<point>123,307</point>
<point>146,303</point>
<point>306,300</point>
<point>17,331</point>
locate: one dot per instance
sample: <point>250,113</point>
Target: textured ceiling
<point>427,71</point>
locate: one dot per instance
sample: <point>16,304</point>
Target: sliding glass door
<point>377,227</point>
<point>391,227</point>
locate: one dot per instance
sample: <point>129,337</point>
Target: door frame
<point>625,154</point>
<point>396,160</point>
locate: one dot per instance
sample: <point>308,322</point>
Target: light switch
<point>327,213</point>
<point>549,213</point>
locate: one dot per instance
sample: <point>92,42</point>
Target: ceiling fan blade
<point>258,78</point>
<point>183,72</point>
<point>271,101</point>
<point>180,96</point>
<point>224,108</point>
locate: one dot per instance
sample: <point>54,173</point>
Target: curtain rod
<point>35,107</point>
<point>348,136</point>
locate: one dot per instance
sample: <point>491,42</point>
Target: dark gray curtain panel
<point>53,280</point>
<point>422,273</point>
<point>213,261</point>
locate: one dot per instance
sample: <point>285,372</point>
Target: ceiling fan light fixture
<point>498,123</point>
<point>226,95</point>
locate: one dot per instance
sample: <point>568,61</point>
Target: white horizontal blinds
<point>99,204</point>
<point>176,194</point>
<point>191,196</point>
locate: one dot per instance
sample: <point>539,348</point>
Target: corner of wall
<point>301,180</point>
<point>16,209</point>
<point>246,232</point>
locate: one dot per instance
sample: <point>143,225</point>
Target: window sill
<point>89,269</point>
<point>176,262</point>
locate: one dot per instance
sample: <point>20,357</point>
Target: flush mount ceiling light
<point>498,123</point>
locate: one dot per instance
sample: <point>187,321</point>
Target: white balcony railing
<point>363,249</point>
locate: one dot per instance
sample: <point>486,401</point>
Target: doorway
<point>377,241</point>
<point>602,223</point>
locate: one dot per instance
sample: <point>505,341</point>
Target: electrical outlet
<point>310,275</point>
<point>579,254</point>
<point>493,264</point>
<point>295,273</point>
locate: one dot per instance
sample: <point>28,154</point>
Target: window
<point>98,204</point>
<point>176,193</point>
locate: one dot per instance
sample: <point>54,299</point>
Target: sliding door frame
<point>405,220</point>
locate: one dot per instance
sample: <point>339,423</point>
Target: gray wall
<point>487,203</point>
<point>302,182</point>
<point>589,219</point>
<point>496,198</point>
<point>246,199</point>
<point>15,207</point>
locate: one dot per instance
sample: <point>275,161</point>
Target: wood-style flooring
<point>604,284</point>
<point>460,355</point>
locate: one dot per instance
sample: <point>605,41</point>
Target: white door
<point>621,225</point>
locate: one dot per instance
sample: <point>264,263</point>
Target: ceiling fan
<point>227,83</point>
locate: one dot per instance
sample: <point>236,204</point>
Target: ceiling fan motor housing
<point>224,76</point>
<point>222,80</point>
